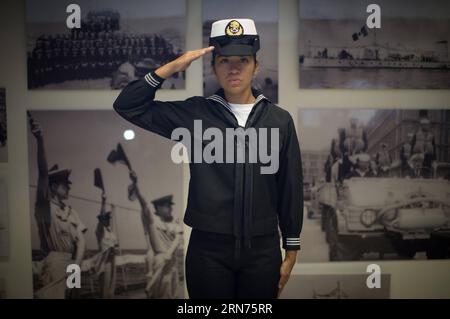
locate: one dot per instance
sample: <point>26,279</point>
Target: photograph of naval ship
<point>376,56</point>
<point>410,50</point>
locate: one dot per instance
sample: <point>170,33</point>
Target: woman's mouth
<point>234,81</point>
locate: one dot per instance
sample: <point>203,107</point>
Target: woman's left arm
<point>290,200</point>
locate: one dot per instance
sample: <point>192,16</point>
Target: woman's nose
<point>234,68</point>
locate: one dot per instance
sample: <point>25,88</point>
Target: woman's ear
<point>255,72</point>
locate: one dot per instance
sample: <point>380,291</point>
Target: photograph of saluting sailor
<point>96,209</point>
<point>338,48</point>
<point>380,181</point>
<point>117,42</point>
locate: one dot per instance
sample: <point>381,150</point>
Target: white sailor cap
<point>234,37</point>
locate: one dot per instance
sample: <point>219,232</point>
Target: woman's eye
<point>244,60</point>
<point>223,61</point>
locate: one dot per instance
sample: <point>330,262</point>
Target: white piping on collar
<point>222,101</point>
<point>219,99</point>
<point>259,98</point>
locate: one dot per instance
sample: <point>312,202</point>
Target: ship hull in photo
<point>375,64</point>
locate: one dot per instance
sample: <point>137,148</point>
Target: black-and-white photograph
<point>335,287</point>
<point>265,15</point>
<point>4,221</point>
<point>376,184</point>
<point>339,49</point>
<point>106,196</point>
<point>116,43</point>
<point>3,128</point>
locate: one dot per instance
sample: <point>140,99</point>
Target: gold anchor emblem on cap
<point>234,28</point>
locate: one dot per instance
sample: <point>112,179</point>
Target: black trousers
<point>213,270</point>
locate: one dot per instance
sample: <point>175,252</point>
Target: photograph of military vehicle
<point>385,187</point>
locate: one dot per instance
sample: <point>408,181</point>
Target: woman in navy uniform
<point>235,210</point>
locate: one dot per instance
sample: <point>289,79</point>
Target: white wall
<point>415,279</point>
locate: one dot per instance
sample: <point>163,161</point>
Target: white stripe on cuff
<point>153,78</point>
<point>147,76</point>
<point>150,80</point>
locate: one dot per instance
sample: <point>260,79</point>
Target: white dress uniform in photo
<point>60,237</point>
<point>163,277</point>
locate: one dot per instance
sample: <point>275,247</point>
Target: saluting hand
<point>182,62</point>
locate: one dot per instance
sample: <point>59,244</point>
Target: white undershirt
<point>241,111</point>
